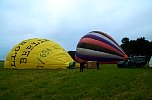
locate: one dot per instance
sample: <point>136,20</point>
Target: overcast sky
<point>66,21</point>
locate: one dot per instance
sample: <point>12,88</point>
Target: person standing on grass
<point>97,65</point>
<point>82,66</point>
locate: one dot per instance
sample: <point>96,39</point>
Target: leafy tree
<point>125,40</point>
<point>137,47</point>
<point>126,45</point>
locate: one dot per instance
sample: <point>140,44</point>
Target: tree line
<point>138,47</point>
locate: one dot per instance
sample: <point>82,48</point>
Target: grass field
<point>108,82</point>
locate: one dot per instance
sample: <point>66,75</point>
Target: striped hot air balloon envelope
<point>99,46</point>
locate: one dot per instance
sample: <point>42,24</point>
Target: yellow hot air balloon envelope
<point>37,53</point>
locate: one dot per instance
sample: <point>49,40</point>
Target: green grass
<point>108,82</point>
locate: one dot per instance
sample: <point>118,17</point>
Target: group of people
<point>84,64</point>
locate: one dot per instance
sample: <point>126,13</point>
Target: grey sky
<point>66,21</point>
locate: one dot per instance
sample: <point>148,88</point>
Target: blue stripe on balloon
<point>102,40</point>
<point>106,35</point>
<point>93,58</point>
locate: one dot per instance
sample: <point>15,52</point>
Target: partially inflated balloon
<point>99,46</point>
<point>37,53</point>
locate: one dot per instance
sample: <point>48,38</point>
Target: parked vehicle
<point>136,61</point>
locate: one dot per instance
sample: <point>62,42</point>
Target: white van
<point>150,62</point>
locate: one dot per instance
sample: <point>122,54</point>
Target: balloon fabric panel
<point>97,53</point>
<point>96,48</point>
<point>37,53</point>
<point>104,40</point>
<point>99,46</point>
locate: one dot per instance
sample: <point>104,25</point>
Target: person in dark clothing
<point>97,65</point>
<point>82,66</point>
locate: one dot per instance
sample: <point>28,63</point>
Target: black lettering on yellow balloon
<point>45,39</point>
<point>23,60</point>
<point>41,41</point>
<point>48,49</point>
<point>35,43</point>
<point>26,53</point>
<point>17,48</point>
<point>13,63</point>
<point>44,53</point>
<point>41,61</point>
<point>55,47</point>
<point>30,47</point>
<point>13,57</point>
<point>22,43</point>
